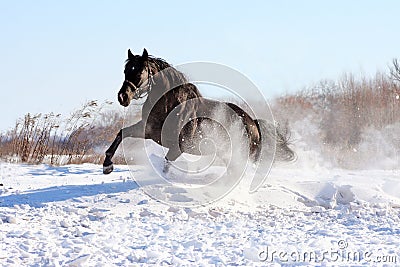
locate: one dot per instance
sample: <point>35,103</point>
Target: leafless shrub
<point>344,109</point>
<point>395,70</point>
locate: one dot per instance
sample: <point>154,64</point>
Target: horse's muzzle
<point>123,99</point>
<point>120,98</point>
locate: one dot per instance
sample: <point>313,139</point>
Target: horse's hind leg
<point>136,130</point>
<point>172,155</point>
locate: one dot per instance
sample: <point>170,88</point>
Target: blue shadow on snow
<point>39,197</point>
<point>68,170</point>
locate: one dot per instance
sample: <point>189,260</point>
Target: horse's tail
<point>269,132</point>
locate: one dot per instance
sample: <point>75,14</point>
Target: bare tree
<point>395,70</point>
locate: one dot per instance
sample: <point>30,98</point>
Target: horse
<point>169,94</point>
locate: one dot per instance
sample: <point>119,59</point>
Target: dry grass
<point>47,138</point>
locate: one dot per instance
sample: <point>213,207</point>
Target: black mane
<point>173,75</point>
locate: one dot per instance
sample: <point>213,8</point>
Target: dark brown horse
<point>176,116</point>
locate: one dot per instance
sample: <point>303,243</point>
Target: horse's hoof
<point>166,167</point>
<point>108,169</point>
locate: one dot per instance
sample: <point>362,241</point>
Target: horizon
<point>57,56</point>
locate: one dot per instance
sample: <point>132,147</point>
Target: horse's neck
<point>162,94</point>
<point>155,99</point>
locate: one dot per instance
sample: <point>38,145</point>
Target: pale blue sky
<point>56,55</point>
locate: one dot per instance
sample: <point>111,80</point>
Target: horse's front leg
<point>136,130</point>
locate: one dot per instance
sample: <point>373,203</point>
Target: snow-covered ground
<point>309,215</point>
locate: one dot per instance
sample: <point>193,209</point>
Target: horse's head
<point>137,74</point>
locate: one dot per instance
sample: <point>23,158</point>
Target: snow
<point>76,216</point>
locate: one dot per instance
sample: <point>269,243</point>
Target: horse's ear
<point>130,55</point>
<point>145,55</point>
